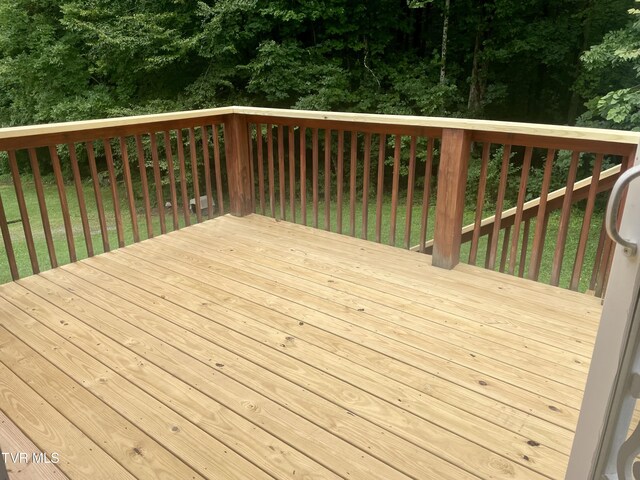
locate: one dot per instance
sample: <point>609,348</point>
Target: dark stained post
<point>236,145</point>
<point>452,181</point>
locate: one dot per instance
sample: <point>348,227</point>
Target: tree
<point>612,78</point>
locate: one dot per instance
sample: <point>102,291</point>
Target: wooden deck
<point>249,348</point>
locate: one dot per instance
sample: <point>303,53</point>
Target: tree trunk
<point>477,87</point>
<point>445,34</point>
<point>574,102</point>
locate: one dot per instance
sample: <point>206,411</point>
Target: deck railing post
<point>236,146</point>
<point>452,181</point>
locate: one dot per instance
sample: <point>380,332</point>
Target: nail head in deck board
<point>452,181</point>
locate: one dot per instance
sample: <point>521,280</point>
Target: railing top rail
<point>513,128</point>
<point>31,131</point>
<point>558,131</point>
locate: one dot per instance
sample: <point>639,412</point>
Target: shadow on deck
<point>250,348</point>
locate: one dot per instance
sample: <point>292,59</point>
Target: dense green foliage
<point>506,59</point>
<point>612,79</point>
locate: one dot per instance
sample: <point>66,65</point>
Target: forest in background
<point>552,61</point>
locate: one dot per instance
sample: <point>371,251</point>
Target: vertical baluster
<point>281,180</point>
<point>315,176</point>
<point>158,181</point>
<point>412,167</point>
<point>598,258</point>
<point>524,178</point>
<point>44,215</point>
<point>327,179</point>
<point>380,187</point>
<point>114,191</point>
<point>64,205</point>
<point>81,201</point>
<point>563,228</point>
<point>194,173</point>
<point>303,174</point>
<point>586,224</point>
<point>8,245</point>
<point>216,161</point>
<point>426,194</point>
<point>609,247</point>
<point>129,186</point>
<point>270,172</point>
<point>292,174</point>
<point>539,235</point>
<point>607,272</point>
<point>525,244</point>
<point>505,248</point>
<point>394,190</point>
<point>365,185</point>
<point>487,256</point>
<point>142,167</point>
<point>340,179</point>
<point>98,196</point>
<point>260,162</point>
<point>172,179</point>
<point>352,184</point>
<point>482,187</point>
<point>204,134</point>
<point>183,178</point>
<point>605,262</point>
<point>504,172</point>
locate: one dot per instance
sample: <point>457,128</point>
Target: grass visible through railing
<point>57,225</point>
<point>55,217</point>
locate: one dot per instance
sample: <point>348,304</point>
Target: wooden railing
<point>404,181</point>
<point>588,188</point>
<point>142,170</point>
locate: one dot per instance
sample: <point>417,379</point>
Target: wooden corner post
<point>236,146</point>
<point>452,181</point>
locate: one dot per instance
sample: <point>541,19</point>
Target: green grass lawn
<point>55,216</point>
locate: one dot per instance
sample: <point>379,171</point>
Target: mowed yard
<point>57,225</point>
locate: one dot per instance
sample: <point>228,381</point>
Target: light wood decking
<point>249,348</point>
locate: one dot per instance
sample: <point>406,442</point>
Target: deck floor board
<point>249,348</point>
